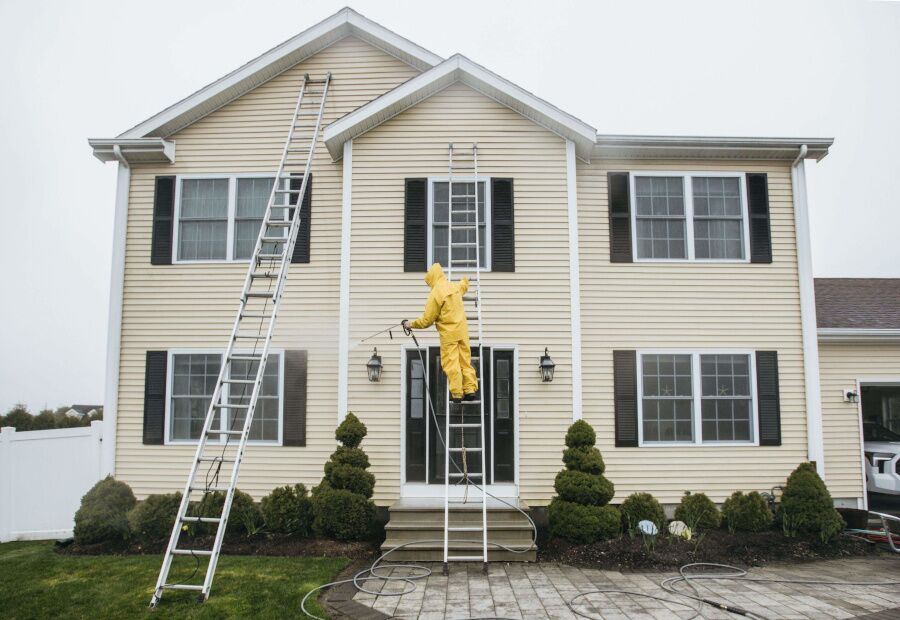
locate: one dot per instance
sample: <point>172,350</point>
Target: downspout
<point>114,320</point>
<point>814,438</point>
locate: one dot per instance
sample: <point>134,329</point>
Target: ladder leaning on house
<point>464,218</point>
<point>241,375</point>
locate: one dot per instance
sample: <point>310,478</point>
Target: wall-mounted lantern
<point>547,367</point>
<point>373,367</point>
<point>851,395</point>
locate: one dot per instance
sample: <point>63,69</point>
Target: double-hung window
<point>461,207</point>
<point>696,398</point>
<point>192,382</point>
<point>219,217</point>
<point>690,216</point>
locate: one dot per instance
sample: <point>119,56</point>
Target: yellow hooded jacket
<point>444,307</point>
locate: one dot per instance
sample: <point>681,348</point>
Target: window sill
<point>691,444</point>
<point>702,261</point>
<point>195,442</point>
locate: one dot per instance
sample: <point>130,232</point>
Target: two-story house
<point>668,278</point>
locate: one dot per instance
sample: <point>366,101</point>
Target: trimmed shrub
<point>583,488</point>
<point>581,435</point>
<point>288,510</point>
<point>102,516</point>
<point>579,512</point>
<point>698,511</point>
<point>807,507</point>
<point>746,513</point>
<point>351,431</point>
<point>342,514</point>
<point>583,524</point>
<point>152,519</point>
<point>244,519</point>
<point>584,458</point>
<point>640,506</point>
<point>341,503</point>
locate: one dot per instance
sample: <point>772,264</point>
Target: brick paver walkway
<point>540,591</point>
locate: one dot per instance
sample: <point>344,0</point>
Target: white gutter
<point>114,319</point>
<point>344,304</point>
<point>814,439</point>
<point>574,279</point>
<point>841,334</point>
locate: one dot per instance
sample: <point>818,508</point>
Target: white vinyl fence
<point>43,475</point>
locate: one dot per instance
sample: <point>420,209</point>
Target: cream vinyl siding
<point>840,366</point>
<point>193,305</point>
<point>528,308</point>
<point>690,306</point>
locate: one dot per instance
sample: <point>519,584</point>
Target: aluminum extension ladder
<point>251,335</point>
<point>463,220</point>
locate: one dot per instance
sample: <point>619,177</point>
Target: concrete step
<point>515,538</point>
<point>435,553</point>
<point>510,518</point>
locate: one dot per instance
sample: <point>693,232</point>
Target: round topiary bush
<point>103,515</point>
<point>583,488</point>
<point>345,478</point>
<point>343,515</point>
<point>579,512</point>
<point>351,431</point>
<point>244,519</point>
<point>152,519</point>
<point>584,458</point>
<point>698,511</point>
<point>746,513</point>
<point>583,524</point>
<point>807,507</point>
<point>640,506</point>
<point>288,510</point>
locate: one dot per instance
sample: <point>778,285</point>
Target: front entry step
<point>423,520</point>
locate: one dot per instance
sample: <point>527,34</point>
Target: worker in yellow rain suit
<point>444,309</point>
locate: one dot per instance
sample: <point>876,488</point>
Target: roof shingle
<point>858,303</point>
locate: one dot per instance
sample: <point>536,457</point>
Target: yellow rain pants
<point>444,309</point>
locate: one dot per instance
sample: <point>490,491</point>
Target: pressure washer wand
<point>386,329</point>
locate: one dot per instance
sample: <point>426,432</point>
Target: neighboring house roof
<point>85,408</point>
<point>858,308</point>
<point>458,68</point>
<point>146,142</point>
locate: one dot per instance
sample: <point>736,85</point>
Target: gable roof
<point>458,68</point>
<point>857,305</point>
<point>344,23</point>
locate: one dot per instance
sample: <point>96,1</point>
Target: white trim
<point>862,447</point>
<point>574,279</point>
<point>815,440</point>
<point>345,22</point>
<point>707,147</point>
<point>458,68</point>
<point>687,177</point>
<point>488,216</point>
<point>135,151</point>
<point>696,398</point>
<point>842,334</point>
<point>114,318</point>
<point>170,371</point>
<point>344,302</point>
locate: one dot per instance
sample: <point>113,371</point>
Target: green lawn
<point>36,582</point>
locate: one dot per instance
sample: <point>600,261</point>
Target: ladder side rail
<point>447,436</point>
<point>481,360</point>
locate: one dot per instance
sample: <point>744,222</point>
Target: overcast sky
<point>93,69</point>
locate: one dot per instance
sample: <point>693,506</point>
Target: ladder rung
<point>467,449</point>
<point>261,294</point>
<point>466,558</point>
<point>265,275</point>
<point>287,191</point>
<point>214,459</point>
<point>255,315</point>
<point>274,239</point>
<point>304,149</point>
<point>201,519</point>
<point>230,433</point>
<point>471,474</point>
<point>269,256</point>
<point>280,223</point>
<point>245,358</point>
<point>227,406</point>
<point>197,552</point>
<point>240,381</point>
<point>469,528</point>
<point>470,298</point>
<point>181,586</point>
<point>210,489</point>
<point>465,425</point>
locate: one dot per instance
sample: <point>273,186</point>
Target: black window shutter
<point>619,204</point>
<point>625,395</point>
<point>293,430</point>
<point>760,229</point>
<point>415,222</point>
<point>155,397</point>
<point>301,248</point>
<point>769,399</point>
<point>503,228</point>
<point>416,416</point>
<point>163,220</point>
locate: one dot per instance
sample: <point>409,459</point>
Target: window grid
<point>716,234</point>
<point>203,219</point>
<point>463,212</point>
<point>192,385</point>
<point>717,417</point>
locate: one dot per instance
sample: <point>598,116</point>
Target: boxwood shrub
<point>638,507</point>
<point>152,519</point>
<point>103,515</point>
<point>288,510</point>
<point>698,511</point>
<point>244,519</point>
<point>746,512</point>
<point>807,507</point>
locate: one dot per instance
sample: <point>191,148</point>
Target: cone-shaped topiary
<point>579,512</point>
<point>807,507</point>
<point>342,502</point>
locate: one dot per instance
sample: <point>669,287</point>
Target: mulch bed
<point>719,546</point>
<point>261,545</point>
